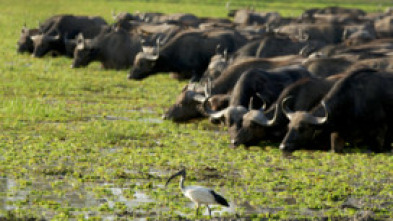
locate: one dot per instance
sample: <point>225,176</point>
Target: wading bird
<point>198,194</point>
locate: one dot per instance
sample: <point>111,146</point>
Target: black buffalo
<point>189,103</point>
<point>25,43</point>
<point>115,50</point>
<point>55,29</point>
<point>357,109</point>
<point>254,89</point>
<point>271,124</point>
<point>188,53</point>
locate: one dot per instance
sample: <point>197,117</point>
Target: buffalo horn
<point>192,95</point>
<point>225,54</point>
<point>199,98</point>
<point>208,112</point>
<point>80,41</point>
<point>320,120</point>
<point>250,105</point>
<point>262,119</point>
<point>264,105</point>
<point>285,109</point>
<point>208,88</point>
<point>154,56</point>
<point>218,47</point>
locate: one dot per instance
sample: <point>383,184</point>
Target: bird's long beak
<point>182,172</point>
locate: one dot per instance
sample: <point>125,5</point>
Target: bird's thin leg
<point>197,209</point>
<point>210,211</point>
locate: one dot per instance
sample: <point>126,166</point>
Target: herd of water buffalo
<point>322,80</point>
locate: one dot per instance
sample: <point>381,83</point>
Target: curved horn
<point>321,120</point>
<point>158,46</point>
<point>80,41</point>
<point>264,105</point>
<point>250,105</point>
<point>272,121</point>
<point>57,36</point>
<point>154,56</point>
<point>261,119</point>
<point>208,112</point>
<point>218,47</point>
<point>199,98</point>
<point>208,88</point>
<point>225,54</point>
<point>288,113</point>
<point>192,95</point>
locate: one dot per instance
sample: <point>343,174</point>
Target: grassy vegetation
<point>88,143</point>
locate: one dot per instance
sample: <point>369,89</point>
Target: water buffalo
<point>217,65</point>
<point>277,45</point>
<point>138,16</point>
<point>326,66</point>
<point>271,124</point>
<point>25,43</point>
<point>150,33</point>
<point>331,14</point>
<point>270,46</point>
<point>115,50</point>
<point>357,34</point>
<point>54,30</point>
<point>356,109</point>
<point>188,52</point>
<point>189,103</point>
<point>248,17</point>
<point>384,27</point>
<point>329,33</point>
<point>256,88</point>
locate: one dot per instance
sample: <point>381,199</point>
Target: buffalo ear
<point>57,36</point>
<point>24,28</point>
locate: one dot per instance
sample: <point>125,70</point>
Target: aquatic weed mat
<point>90,144</point>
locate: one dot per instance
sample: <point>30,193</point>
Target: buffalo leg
<point>378,143</point>
<point>336,142</point>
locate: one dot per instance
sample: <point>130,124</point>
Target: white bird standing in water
<point>198,194</point>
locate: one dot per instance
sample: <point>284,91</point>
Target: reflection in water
<point>3,192</point>
<point>139,198</point>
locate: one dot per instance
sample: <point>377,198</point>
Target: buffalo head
<point>145,63</point>
<point>253,128</point>
<point>84,52</point>
<point>25,43</point>
<point>44,43</point>
<point>189,103</point>
<point>217,65</point>
<point>186,106</point>
<point>302,127</point>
